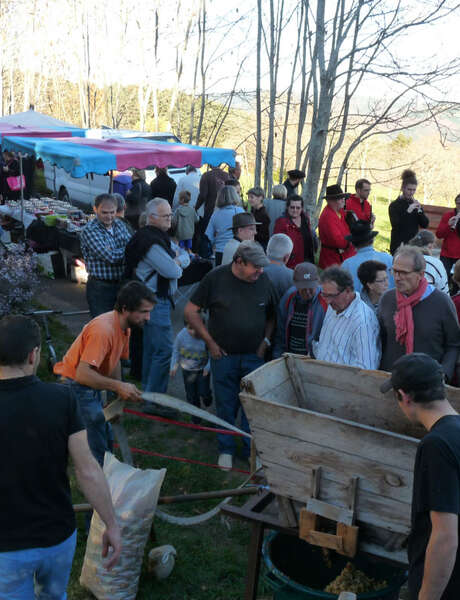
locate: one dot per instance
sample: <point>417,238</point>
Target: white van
<point>81,191</point>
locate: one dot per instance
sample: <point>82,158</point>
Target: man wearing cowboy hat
<point>333,229</point>
<point>362,238</point>
<point>295,176</point>
<point>244,228</point>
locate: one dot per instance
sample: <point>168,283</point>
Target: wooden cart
<point>334,447</point>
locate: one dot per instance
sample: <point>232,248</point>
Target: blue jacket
<point>362,255</point>
<point>285,312</point>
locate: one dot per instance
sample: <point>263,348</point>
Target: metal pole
<point>188,497</point>
<point>22,191</point>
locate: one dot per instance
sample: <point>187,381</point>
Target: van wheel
<point>63,195</point>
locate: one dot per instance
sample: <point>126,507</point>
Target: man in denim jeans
<point>40,426</point>
<point>242,305</point>
<point>154,259</point>
<point>92,363</point>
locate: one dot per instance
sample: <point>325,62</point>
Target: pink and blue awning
<point>79,156</point>
<point>18,130</point>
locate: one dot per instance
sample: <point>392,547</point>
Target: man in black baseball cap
<point>434,564</point>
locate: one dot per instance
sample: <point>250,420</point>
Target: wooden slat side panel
<point>381,412</point>
<point>343,436</point>
<point>371,509</point>
<point>273,381</point>
<point>389,481</point>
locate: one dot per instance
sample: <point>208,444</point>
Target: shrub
<point>18,278</point>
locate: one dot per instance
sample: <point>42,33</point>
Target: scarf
<point>403,317</point>
<point>137,248</point>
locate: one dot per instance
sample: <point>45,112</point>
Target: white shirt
<point>189,183</point>
<point>229,250</point>
<point>351,337</point>
<point>435,273</point>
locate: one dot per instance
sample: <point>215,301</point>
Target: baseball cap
<point>414,372</point>
<point>252,252</point>
<point>306,276</point>
<point>243,219</point>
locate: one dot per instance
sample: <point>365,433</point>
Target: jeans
<point>100,437</point>
<point>158,343</point>
<point>101,296</point>
<point>197,386</point>
<point>40,573</point>
<point>226,374</point>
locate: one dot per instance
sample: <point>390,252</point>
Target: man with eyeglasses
<point>155,260</point>
<point>350,331</point>
<point>416,317</point>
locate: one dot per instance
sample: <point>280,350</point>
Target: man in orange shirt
<point>92,363</point>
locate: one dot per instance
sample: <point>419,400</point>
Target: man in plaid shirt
<point>103,241</point>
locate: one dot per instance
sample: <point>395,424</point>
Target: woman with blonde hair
<point>276,205</point>
<point>219,229</point>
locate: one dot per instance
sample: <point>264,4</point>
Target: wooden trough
<point>333,446</point>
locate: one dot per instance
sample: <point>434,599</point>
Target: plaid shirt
<point>104,251</point>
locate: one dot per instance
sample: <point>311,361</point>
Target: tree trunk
<point>258,158</point>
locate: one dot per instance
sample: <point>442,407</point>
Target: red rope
<point>180,423</point>
<point>186,460</point>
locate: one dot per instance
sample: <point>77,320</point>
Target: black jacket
<point>163,186</point>
<point>404,225</point>
<point>137,197</point>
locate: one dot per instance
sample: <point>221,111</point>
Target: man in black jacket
<point>163,186</point>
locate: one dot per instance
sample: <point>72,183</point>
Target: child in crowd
<point>256,202</point>
<point>184,221</point>
<point>191,353</point>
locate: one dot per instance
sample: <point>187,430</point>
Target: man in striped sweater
<point>350,332</point>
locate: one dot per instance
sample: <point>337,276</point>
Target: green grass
<point>211,558</point>
<point>382,224</point>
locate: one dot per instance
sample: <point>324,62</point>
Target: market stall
<point>210,156</point>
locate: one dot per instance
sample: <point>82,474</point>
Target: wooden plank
<point>275,381</point>
<point>329,511</point>
<point>345,436</point>
<point>299,392</point>
<point>114,409</point>
<point>388,481</point>
<point>370,508</point>
<point>325,540</point>
<point>287,513</point>
<point>254,553</point>
<point>349,536</point>
<point>358,395</point>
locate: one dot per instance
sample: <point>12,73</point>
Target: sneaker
<point>206,400</point>
<point>225,461</point>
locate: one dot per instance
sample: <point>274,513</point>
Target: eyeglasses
<point>290,207</point>
<point>401,273</point>
<point>168,216</point>
<point>330,296</point>
<point>384,280</point>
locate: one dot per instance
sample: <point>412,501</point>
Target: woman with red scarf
<point>416,317</point>
<point>296,224</point>
<point>333,229</point>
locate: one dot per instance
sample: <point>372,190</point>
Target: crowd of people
<point>264,296</point>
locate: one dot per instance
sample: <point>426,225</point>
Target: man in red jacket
<point>333,229</point>
<point>358,203</point>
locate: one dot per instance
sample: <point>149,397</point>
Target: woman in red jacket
<point>296,224</point>
<point>449,232</point>
<point>333,228</point>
